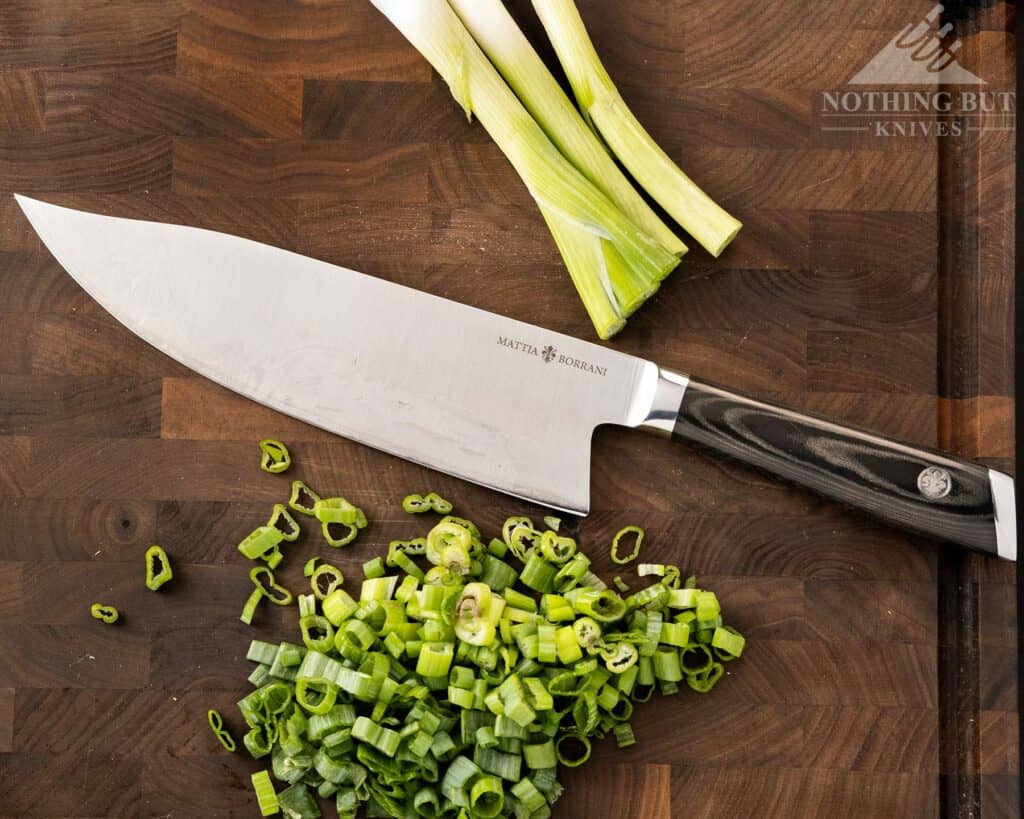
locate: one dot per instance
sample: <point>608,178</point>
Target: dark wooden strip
<point>109,721</point>
<point>869,299</point>
<point>769,608</point>
<point>209,652</point>
<point>22,100</point>
<point>620,790</point>
<point>872,739</point>
<point>144,469</point>
<point>91,784</point>
<point>475,173</point>
<point>847,795</point>
<point>712,793</point>
<point>6,720</point>
<point>75,529</point>
<point>997,613</point>
<point>15,343</point>
<point>198,409</point>
<point>228,106</point>
<point>262,218</point>
<point>997,677</point>
<point>889,241</point>
<point>851,673</point>
<point>199,595</point>
<point>12,591</point>
<point>385,112</point>
<point>787,58</point>
<point>1000,749</point>
<point>779,793</point>
<point>84,161</point>
<point>773,240</point>
<point>711,731</point>
<point>854,361</point>
<point>872,610</point>
<point>735,298</point>
<point>816,179</point>
<point>15,232</point>
<point>123,35</point>
<point>735,117</point>
<point>772,360</point>
<point>379,239</point>
<point>34,282</point>
<point>348,40</point>
<point>94,346</point>
<point>14,459</point>
<point>214,787</point>
<point>360,171</point>
<point>84,655</point>
<point>1000,794</point>
<point>829,543</point>
<point>905,416</point>
<point>87,406</point>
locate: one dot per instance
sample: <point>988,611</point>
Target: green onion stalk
<point>603,107</point>
<point>615,262</point>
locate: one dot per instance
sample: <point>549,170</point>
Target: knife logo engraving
<point>549,353</point>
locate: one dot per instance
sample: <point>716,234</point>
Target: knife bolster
<point>667,391</point>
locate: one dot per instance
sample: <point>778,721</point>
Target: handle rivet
<point>934,482</point>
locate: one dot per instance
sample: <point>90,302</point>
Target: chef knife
<point>477,395</point>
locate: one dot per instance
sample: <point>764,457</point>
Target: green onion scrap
<point>223,735</point>
<point>431,502</point>
<point>105,614</point>
<point>459,676</point>
<point>622,560</point>
<point>158,567</point>
<point>274,456</point>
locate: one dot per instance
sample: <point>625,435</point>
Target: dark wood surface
<point>880,678</point>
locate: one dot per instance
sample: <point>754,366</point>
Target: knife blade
<point>480,396</point>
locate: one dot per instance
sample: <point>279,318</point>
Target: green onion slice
<point>638,534</point>
<point>103,613</point>
<point>158,567</point>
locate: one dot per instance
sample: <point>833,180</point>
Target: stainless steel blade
<point>487,398</point>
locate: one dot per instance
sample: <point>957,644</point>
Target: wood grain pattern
<point>313,125</point>
<point>22,101</point>
<point>181,106</point>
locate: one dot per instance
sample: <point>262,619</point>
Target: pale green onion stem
<point>505,44</point>
<point>588,226</point>
<point>604,108</point>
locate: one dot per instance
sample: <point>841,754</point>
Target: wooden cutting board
<point>873,282</point>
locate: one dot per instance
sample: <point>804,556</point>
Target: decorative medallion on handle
<point>934,482</point>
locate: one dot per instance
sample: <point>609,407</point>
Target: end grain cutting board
<point>873,282</point>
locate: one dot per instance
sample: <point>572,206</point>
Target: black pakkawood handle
<point>910,486</point>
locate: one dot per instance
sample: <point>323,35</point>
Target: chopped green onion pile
<point>464,671</point>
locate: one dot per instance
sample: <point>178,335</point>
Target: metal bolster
<point>666,400</point>
<point>1005,508</point>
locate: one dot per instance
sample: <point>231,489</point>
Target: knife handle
<point>912,487</point>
